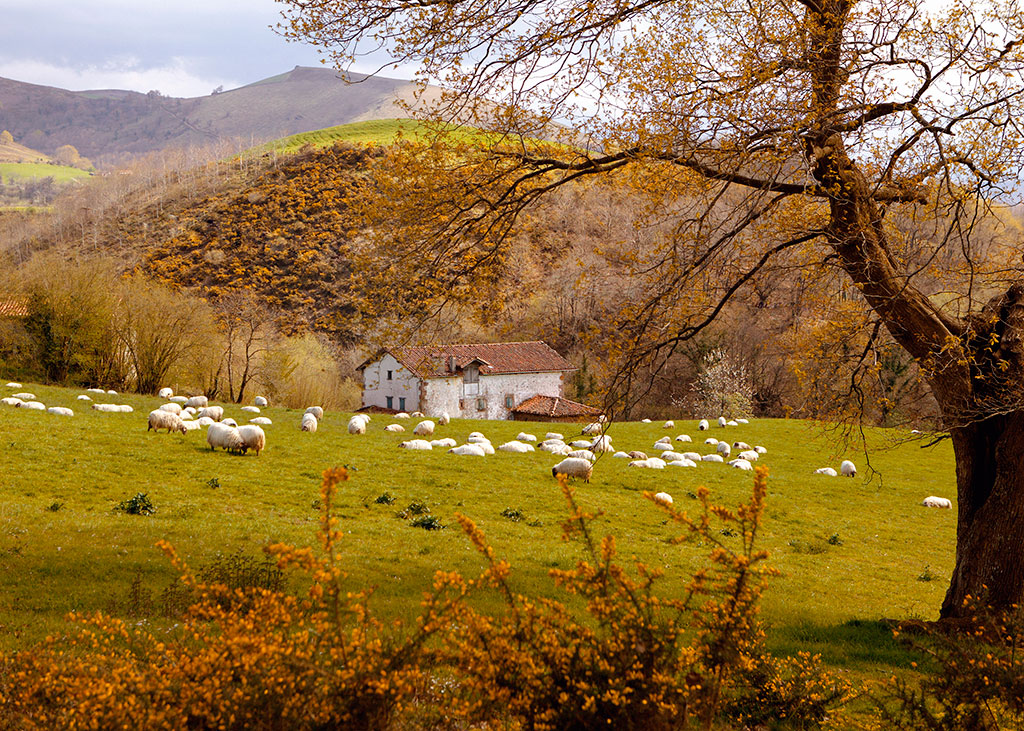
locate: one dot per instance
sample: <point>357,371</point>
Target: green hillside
<point>12,172</point>
<point>378,131</point>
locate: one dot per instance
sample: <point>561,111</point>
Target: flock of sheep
<point>183,414</point>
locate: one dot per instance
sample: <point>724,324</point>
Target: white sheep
<point>743,421</point>
<point>190,410</point>
<point>401,415</point>
<point>760,450</point>
<point>12,384</point>
<point>936,502</point>
<point>467,450</point>
<point>645,421</point>
<point>32,405</point>
<point>186,416</point>
<point>251,409</point>
<point>309,423</point>
<point>222,435</point>
<point>446,442</point>
<point>516,447</point>
<point>722,421</point>
<point>416,414</point>
<point>665,440</point>
<point>394,428</point>
<point>112,392</point>
<point>723,449</point>
<point>703,425</point>
<point>171,408</point>
<point>663,446</point>
<point>475,434</point>
<point>695,456</point>
<point>748,454</point>
<point>602,443</point>
<point>205,421</point>
<point>740,445</point>
<point>159,419</point>
<point>670,456</point>
<point>424,429</point>
<point>477,438</point>
<point>214,412</point>
<point>192,425</point>
<point>555,447</point>
<point>621,455</point>
<point>848,468</point>
<point>651,463</point>
<point>580,444</point>
<point>106,408</point>
<point>683,438</point>
<point>443,419</point>
<point>524,437</point>
<point>663,498</point>
<point>229,422</point>
<point>711,440</point>
<point>124,408</point>
<point>355,424</point>
<point>11,401</point>
<point>669,425</point>
<point>592,429</point>
<point>179,399</point>
<point>253,437</point>
<point>24,396</point>
<point>316,411</point>
<point>684,462</point>
<point>83,397</point>
<point>260,401</point>
<point>553,435</point>
<point>741,464</point>
<point>61,411</point>
<point>197,401</point>
<point>165,393</point>
<point>487,447</point>
<point>574,467</point>
<point>732,422</point>
<point>712,458</point>
<point>95,390</point>
<point>582,454</point>
<point>825,471</point>
<point>261,420</point>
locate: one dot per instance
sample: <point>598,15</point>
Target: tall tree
<point>869,137</point>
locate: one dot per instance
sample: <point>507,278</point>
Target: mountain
<point>12,152</point>
<point>108,124</point>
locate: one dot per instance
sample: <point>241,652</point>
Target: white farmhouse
<point>486,381</point>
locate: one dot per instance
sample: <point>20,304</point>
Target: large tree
<point>865,137</point>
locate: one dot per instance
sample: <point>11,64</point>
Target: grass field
<point>378,131</point>
<point>851,551</point>
<point>11,172</point>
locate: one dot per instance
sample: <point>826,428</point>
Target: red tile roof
<point>442,361</point>
<point>13,308</point>
<point>555,407</point>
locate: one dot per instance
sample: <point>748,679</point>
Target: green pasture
<point>12,172</point>
<point>851,551</point>
<point>378,131</point>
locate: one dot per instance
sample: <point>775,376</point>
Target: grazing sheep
<point>468,450</point>
<point>703,425</point>
<point>622,455</point>
<point>165,393</point>
<point>475,434</point>
<point>517,447</point>
<point>684,462</point>
<point>251,409</point>
<point>669,425</point>
<point>11,401</point>
<point>424,429</point>
<point>665,440</point>
<point>159,419</point>
<point>416,415</point>
<point>637,455</point>
<point>24,396</point>
<point>253,437</point>
<point>602,443</point>
<point>95,390</point>
<point>732,422</point>
<point>825,471</point>
<point>229,422</point>
<point>723,449</point>
<point>171,408</point>
<point>741,464</point>
<point>443,419</point>
<point>651,463</point>
<point>574,467</point>
<point>740,445</point>
<point>712,458</point>
<point>186,416</point>
<point>743,421</point>
<point>106,408</point>
<point>582,454</point>
<point>711,440</point>
<point>848,468</point>
<point>683,438</point>
<point>760,450</point>
<point>222,435</point>
<point>61,411</point>
<point>83,397</point>
<point>591,429</point>
<point>695,456</point>
<point>722,421</point>
<point>579,444</point>
<point>12,384</point>
<point>663,498</point>
<point>192,425</point>
<point>112,392</point>
<point>355,424</point>
<point>671,456</point>
<point>446,442</point>
<point>394,428</point>
<point>261,420</point>
<point>260,401</point>
<point>316,411</point>
<point>555,448</point>
<point>197,401</point>
<point>205,421</point>
<point>936,502</point>
<point>486,446</point>
<point>663,446</point>
<point>554,435</point>
<point>476,438</point>
<point>309,423</point>
<point>33,405</point>
<point>524,437</point>
<point>645,421</point>
<point>179,399</point>
<point>748,454</point>
<point>214,412</point>
<point>190,410</point>
<point>401,415</point>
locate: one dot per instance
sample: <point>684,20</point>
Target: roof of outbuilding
<point>555,407</point>
<point>13,308</point>
<point>444,361</point>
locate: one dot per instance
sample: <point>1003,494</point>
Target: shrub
<point>722,387</point>
<point>138,504</point>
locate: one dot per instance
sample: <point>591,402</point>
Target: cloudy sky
<point>178,47</point>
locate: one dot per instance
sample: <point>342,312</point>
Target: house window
<point>390,374</point>
<point>471,374</point>
<point>391,401</point>
<point>510,401</point>
<point>401,404</point>
<point>481,404</point>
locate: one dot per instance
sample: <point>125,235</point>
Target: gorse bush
<point>248,655</point>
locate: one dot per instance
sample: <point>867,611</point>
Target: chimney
<point>451,363</point>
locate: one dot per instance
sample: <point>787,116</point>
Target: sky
<point>178,47</point>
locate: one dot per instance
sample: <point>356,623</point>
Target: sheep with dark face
<point>159,419</point>
<point>575,467</point>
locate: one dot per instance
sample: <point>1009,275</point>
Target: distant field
<point>13,171</point>
<point>381,131</point>
<point>849,549</point>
